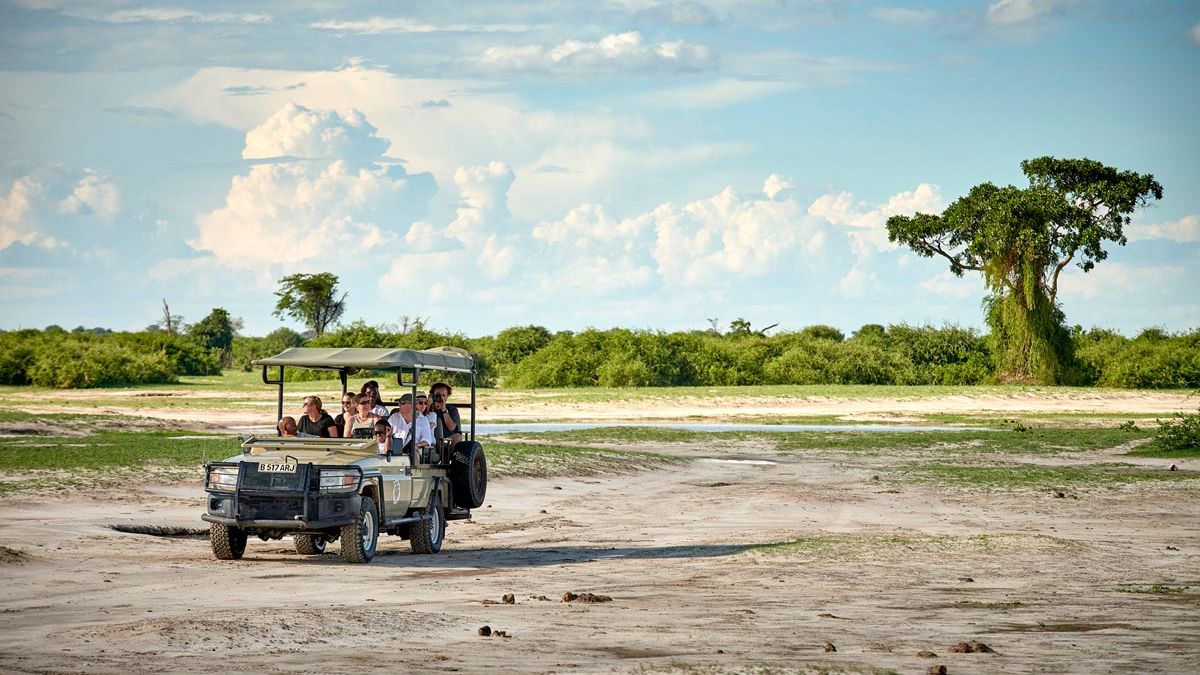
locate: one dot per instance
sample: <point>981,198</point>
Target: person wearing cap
<point>405,428</point>
<point>447,414</point>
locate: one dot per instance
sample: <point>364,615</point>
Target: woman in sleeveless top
<point>362,418</point>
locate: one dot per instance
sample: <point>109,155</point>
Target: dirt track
<point>886,570</point>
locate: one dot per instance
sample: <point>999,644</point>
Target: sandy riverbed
<point>886,570</point>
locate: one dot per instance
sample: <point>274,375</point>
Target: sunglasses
<point>381,434</point>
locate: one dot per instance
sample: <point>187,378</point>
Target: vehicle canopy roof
<point>355,359</point>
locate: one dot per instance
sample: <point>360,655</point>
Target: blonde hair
<point>314,399</point>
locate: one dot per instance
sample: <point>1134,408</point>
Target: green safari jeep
<point>318,490</point>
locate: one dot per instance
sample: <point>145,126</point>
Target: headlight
<point>339,480</point>
<point>222,478</point>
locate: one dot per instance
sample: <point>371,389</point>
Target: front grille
<point>270,508</point>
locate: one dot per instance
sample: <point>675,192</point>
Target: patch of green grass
<point>801,668</point>
<point>114,449</point>
<point>1033,441</point>
<point>1067,627</point>
<point>1152,589</point>
<point>1032,476</point>
<point>978,604</point>
<point>868,545</point>
<point>538,460</point>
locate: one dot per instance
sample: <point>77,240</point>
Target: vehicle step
<point>456,513</point>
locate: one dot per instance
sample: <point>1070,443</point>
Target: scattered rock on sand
<point>827,615</point>
<point>500,633</point>
<point>509,599</point>
<point>539,597</point>
<point>972,647</point>
<point>584,597</point>
<point>488,601</point>
<point>926,654</point>
<point>829,647</point>
<point>1174,468</point>
<point>968,580</point>
<point>937,670</point>
<point>485,631</point>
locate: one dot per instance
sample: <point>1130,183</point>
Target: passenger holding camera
<point>448,419</point>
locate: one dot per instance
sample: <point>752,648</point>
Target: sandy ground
<point>246,412</point>
<point>1057,585</point>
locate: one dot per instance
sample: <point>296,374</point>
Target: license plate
<point>268,467</point>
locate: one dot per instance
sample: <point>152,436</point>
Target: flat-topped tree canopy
<point>354,359</point>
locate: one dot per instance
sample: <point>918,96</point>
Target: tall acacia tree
<point>1021,239</point>
<point>311,299</point>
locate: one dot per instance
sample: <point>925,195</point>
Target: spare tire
<point>468,474</point>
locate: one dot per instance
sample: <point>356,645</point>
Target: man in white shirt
<point>402,427</point>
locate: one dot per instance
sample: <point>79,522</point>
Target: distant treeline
<point>534,357</point>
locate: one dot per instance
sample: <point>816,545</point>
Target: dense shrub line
<point>56,358</point>
<point>533,357</point>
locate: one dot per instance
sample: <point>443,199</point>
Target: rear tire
<point>228,542</point>
<point>468,475</point>
<point>360,537</point>
<point>310,544</point>
<point>427,536</point>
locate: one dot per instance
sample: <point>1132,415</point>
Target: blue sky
<point>572,164</point>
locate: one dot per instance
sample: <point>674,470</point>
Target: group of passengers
<point>437,423</point>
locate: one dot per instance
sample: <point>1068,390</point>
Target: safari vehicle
<point>318,490</point>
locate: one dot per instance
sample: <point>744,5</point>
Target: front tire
<point>228,542</point>
<point>360,537</point>
<point>427,536</point>
<point>309,544</point>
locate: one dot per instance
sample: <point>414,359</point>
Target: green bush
<point>1153,360</point>
<point>1180,433</point>
<point>78,365</point>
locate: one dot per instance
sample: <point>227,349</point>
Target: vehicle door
<point>397,486</point>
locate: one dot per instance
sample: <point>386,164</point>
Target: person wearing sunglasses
<point>407,428</point>
<point>315,422</point>
<point>383,436</point>
<point>348,410</point>
<point>362,423</point>
<point>371,388</point>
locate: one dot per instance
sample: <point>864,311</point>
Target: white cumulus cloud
<point>903,15</point>
<point>1014,12</point>
<point>1194,33</point>
<point>295,211</point>
<point>296,131</point>
<point>729,233</point>
<point>867,225</point>
<point>618,53</point>
<point>15,209</point>
<point>1118,282</point>
<point>1186,230</point>
<point>94,193</point>
<point>484,205</point>
<point>379,25</point>
<point>47,206</point>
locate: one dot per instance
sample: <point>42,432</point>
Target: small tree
<point>1021,239</point>
<point>216,331</point>
<point>311,299</point>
